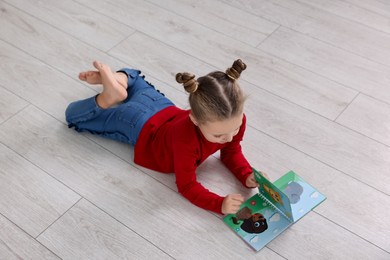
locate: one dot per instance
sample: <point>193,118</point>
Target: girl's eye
<point>217,136</point>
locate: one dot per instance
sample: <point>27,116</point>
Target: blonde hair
<point>216,96</point>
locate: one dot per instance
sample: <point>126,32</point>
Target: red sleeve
<point>233,158</point>
<point>186,155</point>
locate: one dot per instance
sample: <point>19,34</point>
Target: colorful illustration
<point>277,206</point>
<point>293,192</point>
<point>252,223</point>
<point>274,194</point>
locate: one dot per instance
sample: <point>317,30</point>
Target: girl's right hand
<point>232,203</point>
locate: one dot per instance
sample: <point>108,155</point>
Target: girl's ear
<point>193,119</point>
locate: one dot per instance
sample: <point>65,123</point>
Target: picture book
<point>273,209</point>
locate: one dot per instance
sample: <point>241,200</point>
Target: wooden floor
<point>318,81</point>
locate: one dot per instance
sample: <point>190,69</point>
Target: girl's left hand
<point>265,175</point>
<point>251,182</point>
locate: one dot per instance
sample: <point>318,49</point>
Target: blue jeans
<point>123,122</point>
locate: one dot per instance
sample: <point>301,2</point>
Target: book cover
<point>273,209</point>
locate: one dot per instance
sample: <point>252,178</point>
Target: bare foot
<point>92,77</point>
<point>113,92</point>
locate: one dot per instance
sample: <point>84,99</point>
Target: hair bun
<point>235,71</point>
<point>188,80</point>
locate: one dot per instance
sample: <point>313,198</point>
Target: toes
<point>98,65</point>
<point>101,67</point>
<point>82,76</point>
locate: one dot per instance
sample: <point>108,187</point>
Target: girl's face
<point>221,131</point>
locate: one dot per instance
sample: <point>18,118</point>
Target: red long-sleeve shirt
<point>170,143</point>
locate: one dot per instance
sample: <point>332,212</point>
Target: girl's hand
<point>232,203</point>
<point>251,181</point>
<point>265,175</point>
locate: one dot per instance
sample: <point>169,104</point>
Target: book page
<point>302,196</point>
<point>277,206</point>
<point>273,194</point>
<point>257,223</point>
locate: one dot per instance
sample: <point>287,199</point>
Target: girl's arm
<point>234,160</point>
<point>190,188</point>
<point>197,194</point>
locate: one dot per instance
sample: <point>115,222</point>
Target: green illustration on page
<point>273,209</point>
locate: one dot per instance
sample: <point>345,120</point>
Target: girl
<point>166,138</point>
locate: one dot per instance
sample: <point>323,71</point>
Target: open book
<point>271,211</point>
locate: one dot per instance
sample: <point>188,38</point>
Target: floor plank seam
<point>324,163</point>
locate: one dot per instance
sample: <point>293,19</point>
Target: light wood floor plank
<point>39,83</point>
<point>325,241</point>
<point>230,21</point>
<point>348,69</point>
<point>381,7</point>
<point>10,104</point>
<point>29,197</point>
<point>327,27</point>
<point>354,11</point>
<point>97,30</point>
<point>47,43</point>
<point>15,244</point>
<point>86,232</point>
<point>369,117</point>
